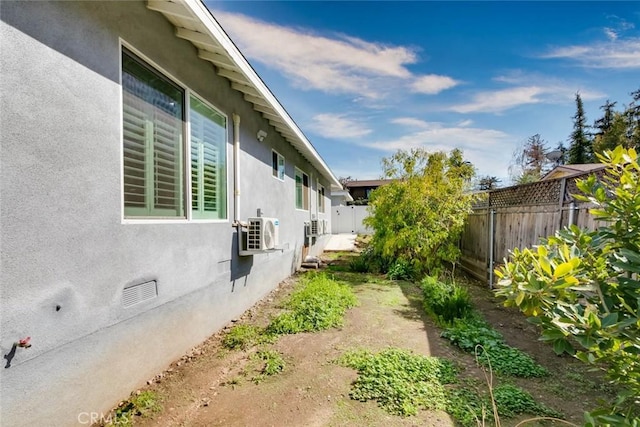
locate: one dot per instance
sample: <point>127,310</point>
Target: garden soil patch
<point>212,386</point>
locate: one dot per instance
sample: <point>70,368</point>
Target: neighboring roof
<point>194,22</point>
<point>367,183</point>
<point>571,170</point>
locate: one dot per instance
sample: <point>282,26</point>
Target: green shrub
<point>472,333</point>
<point>445,301</point>
<point>401,270</point>
<point>319,303</point>
<point>400,381</point>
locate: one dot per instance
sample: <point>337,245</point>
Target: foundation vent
<point>139,293</point>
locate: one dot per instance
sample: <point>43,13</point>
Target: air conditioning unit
<point>262,233</point>
<point>312,228</point>
<point>320,227</point>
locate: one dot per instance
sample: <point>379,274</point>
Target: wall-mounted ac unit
<point>312,228</point>
<point>320,227</point>
<point>262,234</point>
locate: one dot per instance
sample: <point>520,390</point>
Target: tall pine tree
<point>580,150</point>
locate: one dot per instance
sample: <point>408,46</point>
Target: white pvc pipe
<point>236,168</point>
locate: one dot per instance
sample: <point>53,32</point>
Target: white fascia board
<point>214,29</point>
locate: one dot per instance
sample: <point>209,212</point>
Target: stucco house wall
<point>67,252</point>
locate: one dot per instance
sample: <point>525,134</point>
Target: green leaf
<point>563,269</point>
<point>610,319</point>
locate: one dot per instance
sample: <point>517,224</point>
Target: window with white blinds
<point>156,184</point>
<point>208,138</point>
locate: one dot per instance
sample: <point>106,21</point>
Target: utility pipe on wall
<point>236,168</point>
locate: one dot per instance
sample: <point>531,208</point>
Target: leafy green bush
<point>419,216</point>
<point>319,303</point>
<point>401,382</point>
<point>401,270</point>
<point>581,287</point>
<point>472,333</point>
<point>445,301</point>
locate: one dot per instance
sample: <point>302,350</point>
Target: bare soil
<point>212,386</point>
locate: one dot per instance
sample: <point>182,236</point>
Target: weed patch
<point>242,337</point>
<point>469,333</point>
<point>401,382</point>
<point>139,405</point>
<point>272,364</point>
<point>318,304</point>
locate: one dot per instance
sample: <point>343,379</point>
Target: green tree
<point>487,183</point>
<point>418,217</point>
<point>582,287</point>
<point>615,134</point>
<point>530,160</point>
<point>632,114</point>
<point>580,150</point>
<point>603,124</point>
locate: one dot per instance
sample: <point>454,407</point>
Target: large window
<point>277,165</point>
<point>155,181</point>
<point>153,130</point>
<point>302,190</point>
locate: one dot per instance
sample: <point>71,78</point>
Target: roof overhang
<point>195,23</point>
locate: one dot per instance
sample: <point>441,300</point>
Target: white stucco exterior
<point>66,250</point>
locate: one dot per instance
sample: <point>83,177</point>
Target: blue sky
<point>364,79</point>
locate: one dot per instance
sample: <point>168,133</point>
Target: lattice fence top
<point>536,193</point>
<point>549,192</point>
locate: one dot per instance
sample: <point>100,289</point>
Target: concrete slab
<point>341,242</point>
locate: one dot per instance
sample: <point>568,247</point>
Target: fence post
<point>563,188</point>
<point>491,238</point>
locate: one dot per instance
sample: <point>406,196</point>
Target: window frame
<point>187,216</point>
<point>275,172</point>
<point>321,197</point>
<point>225,174</point>
<point>305,198</point>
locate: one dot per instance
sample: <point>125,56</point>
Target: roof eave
<point>194,22</point>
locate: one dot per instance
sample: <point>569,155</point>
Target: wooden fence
<point>517,217</point>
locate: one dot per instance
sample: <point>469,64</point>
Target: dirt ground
<point>212,386</point>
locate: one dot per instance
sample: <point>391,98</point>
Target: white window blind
<point>153,129</point>
<point>208,141</point>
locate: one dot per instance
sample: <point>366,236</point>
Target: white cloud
<point>410,121</point>
<point>500,100</point>
<point>433,84</point>
<point>337,126</point>
<point>615,53</point>
<point>488,149</point>
<point>337,64</point>
<point>442,137</point>
<point>527,89</point>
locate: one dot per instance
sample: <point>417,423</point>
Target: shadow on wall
<point>240,265</point>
